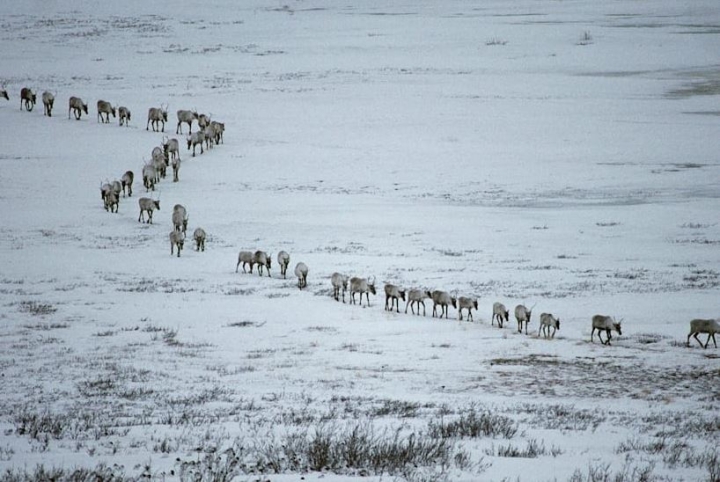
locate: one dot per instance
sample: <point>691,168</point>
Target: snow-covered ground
<point>563,155</point>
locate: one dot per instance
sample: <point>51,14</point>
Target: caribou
<point>171,147</point>
<point>149,173</point>
<point>127,180</point>
<point>245,257</point>
<point>301,271</point>
<point>27,99</point>
<point>104,107</point>
<point>180,218</point>
<point>218,128</point>
<point>522,315</point>
<point>468,304</point>
<point>156,115</point>
<point>176,169</point>
<point>176,239</point>
<point>111,201</point>
<point>199,236</point>
<point>605,323</point>
<point>209,136</point>
<point>362,286</point>
<point>698,326</point>
<point>442,299</point>
<point>547,321</point>
<point>339,282</point>
<point>158,160</point>
<point>262,260</point>
<point>203,121</point>
<point>116,187</point>
<point>185,116</point>
<point>48,100</point>
<point>105,188</point>
<point>3,91</point>
<point>124,116</point>
<point>108,196</point>
<point>501,313</point>
<point>171,150</point>
<point>283,259</point>
<point>77,107</point>
<point>417,297</point>
<point>195,139</point>
<point>392,296</point>
<point>147,205</point>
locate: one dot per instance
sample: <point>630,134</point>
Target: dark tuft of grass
<point>36,308</point>
<point>474,424</point>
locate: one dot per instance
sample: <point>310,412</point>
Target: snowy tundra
<point>557,154</point>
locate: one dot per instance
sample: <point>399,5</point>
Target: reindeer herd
<point>210,133</point>
<point>442,300</point>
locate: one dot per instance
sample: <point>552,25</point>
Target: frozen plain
<point>558,154</point>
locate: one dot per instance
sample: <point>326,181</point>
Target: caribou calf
<point>28,98</point>
<point>698,326</point>
<point>48,100</point>
<point>77,107</point>
<point>147,205</point>
<point>605,323</point>
<point>392,295</point>
<point>104,107</point>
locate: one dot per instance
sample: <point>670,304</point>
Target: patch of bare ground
<point>549,376</point>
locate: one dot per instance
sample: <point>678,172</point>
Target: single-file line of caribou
<point>210,133</point>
